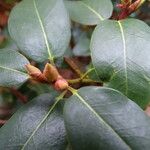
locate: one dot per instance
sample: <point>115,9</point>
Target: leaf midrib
<point>13,70</point>
<point>40,123</point>
<point>125,56</point>
<point>100,118</point>
<point>44,32</point>
<point>91,9</point>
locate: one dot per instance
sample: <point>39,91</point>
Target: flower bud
<point>35,73</point>
<point>121,6</point>
<point>126,2</point>
<point>51,73</point>
<point>134,6</point>
<point>61,84</point>
<point>32,70</point>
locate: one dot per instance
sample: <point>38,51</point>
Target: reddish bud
<point>133,7</point>
<point>35,73</point>
<point>32,69</point>
<point>121,6</point>
<point>126,2</point>
<point>61,84</point>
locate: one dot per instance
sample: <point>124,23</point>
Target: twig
<point>75,68</point>
<point>80,80</point>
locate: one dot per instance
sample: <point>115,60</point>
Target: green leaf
<point>41,88</point>
<point>89,12</point>
<point>38,125</point>
<point>12,68</point>
<point>92,74</point>
<point>41,29</point>
<point>121,56</point>
<point>104,119</point>
<point>82,48</point>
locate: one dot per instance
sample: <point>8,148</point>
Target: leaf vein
<point>43,120</point>
<point>13,70</point>
<point>44,32</point>
<point>91,9</point>
<point>125,56</point>
<point>100,118</point>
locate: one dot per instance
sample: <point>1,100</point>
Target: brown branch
<point>73,66</point>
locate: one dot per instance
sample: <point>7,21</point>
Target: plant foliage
<point>63,114</point>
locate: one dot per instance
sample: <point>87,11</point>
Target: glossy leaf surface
<point>82,47</point>
<point>121,55</point>
<point>104,119</point>
<point>38,125</point>
<point>41,29</point>
<point>89,12</point>
<point>12,68</point>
